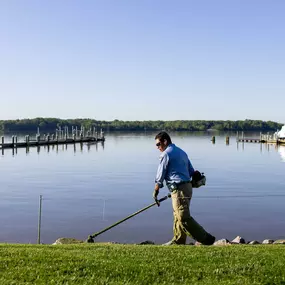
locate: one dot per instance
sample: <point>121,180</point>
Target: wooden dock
<point>252,140</point>
<point>59,138</point>
<point>263,138</point>
<point>51,142</point>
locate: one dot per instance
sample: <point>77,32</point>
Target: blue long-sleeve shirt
<point>174,166</point>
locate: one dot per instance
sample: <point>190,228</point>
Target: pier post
<point>237,136</point>
<point>65,136</point>
<point>16,141</point>
<point>213,139</point>
<point>74,137</point>
<point>27,140</point>
<point>40,219</point>
<point>48,138</point>
<point>2,141</point>
<point>56,138</point>
<point>227,140</point>
<point>13,141</point>
<point>38,139</point>
<point>242,135</point>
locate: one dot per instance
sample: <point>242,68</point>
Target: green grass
<point>141,264</point>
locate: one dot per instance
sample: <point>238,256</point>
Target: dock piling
<point>27,140</point>
<point>40,219</point>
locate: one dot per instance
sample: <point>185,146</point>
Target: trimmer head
<point>90,239</point>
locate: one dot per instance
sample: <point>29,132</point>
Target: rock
<point>254,242</point>
<point>238,240</point>
<point>222,242</point>
<point>279,241</point>
<point>67,241</point>
<point>268,241</point>
<point>147,242</point>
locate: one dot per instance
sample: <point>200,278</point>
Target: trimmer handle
<point>157,202</point>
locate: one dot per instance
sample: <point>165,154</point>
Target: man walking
<point>176,169</point>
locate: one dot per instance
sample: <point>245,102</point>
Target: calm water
<point>89,188</point>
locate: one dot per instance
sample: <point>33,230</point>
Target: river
<point>87,188</point>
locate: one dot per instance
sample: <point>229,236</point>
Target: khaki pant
<point>183,223</point>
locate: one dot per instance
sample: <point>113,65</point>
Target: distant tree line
<point>51,124</point>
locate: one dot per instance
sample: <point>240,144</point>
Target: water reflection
<point>281,150</point>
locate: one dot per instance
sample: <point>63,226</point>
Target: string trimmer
<point>157,202</point>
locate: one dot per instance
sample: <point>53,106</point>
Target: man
<point>176,169</point>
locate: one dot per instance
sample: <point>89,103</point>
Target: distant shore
<point>51,124</point>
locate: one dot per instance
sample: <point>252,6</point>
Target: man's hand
<point>155,194</point>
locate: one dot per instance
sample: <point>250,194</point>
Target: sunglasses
<point>158,144</point>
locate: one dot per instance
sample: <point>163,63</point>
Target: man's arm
<point>160,175</point>
<point>161,171</point>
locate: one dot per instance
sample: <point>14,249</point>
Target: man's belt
<point>174,186</point>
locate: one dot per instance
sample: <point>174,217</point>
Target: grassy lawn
<point>141,264</point>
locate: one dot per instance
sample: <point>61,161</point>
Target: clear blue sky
<point>143,59</point>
